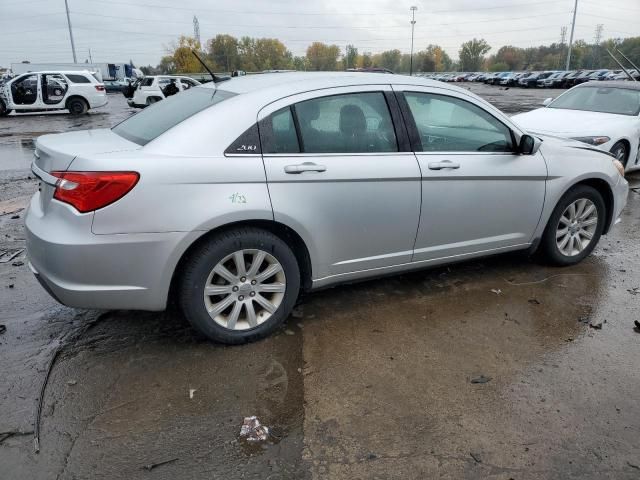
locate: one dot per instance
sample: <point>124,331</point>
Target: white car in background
<point>602,114</point>
<point>151,89</point>
<point>76,91</point>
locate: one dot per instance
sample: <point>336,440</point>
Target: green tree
<point>271,54</point>
<point>167,65</point>
<point>300,63</point>
<point>390,59</point>
<point>321,56</point>
<point>223,53</point>
<point>365,60</point>
<point>472,54</point>
<point>351,56</point>
<point>183,58</point>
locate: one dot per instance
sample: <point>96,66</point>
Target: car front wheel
<point>575,226</point>
<point>239,286</point>
<point>620,151</point>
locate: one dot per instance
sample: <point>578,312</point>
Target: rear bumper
<point>84,270</point>
<point>97,102</point>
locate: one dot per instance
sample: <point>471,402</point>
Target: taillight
<point>100,88</point>
<point>89,191</point>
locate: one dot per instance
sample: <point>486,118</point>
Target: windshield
<point>620,101</point>
<point>155,120</point>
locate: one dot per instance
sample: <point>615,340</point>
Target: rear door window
<point>348,123</point>
<point>279,134</point>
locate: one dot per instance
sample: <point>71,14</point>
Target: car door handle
<point>305,167</point>
<point>443,164</point>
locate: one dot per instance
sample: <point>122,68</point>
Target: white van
<point>44,91</point>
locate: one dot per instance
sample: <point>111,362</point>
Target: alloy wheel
<point>244,289</point>
<point>576,227</point>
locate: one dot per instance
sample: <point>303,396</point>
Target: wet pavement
<point>485,369</point>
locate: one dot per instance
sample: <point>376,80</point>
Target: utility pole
<point>573,27</point>
<point>413,24</point>
<point>196,29</point>
<point>73,46</point>
<point>563,39</point>
<point>90,58</point>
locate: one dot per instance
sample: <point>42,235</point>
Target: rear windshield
<point>153,121</point>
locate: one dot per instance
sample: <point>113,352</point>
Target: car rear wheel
<point>77,106</point>
<point>239,286</point>
<point>621,152</point>
<point>575,226</point>
<point>4,111</point>
<point>152,100</point>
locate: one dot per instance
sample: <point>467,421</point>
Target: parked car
<point>581,78</point>
<point>602,114</point>
<point>556,80</point>
<point>238,196</point>
<point>510,80</point>
<point>75,91</point>
<point>532,80</point>
<point>152,89</point>
<point>546,82</point>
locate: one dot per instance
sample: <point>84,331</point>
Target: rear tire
<point>575,227</point>
<point>4,111</point>
<point>77,106</point>
<point>225,282</point>
<point>152,100</point>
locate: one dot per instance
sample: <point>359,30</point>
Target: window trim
<point>403,144</point>
<point>414,133</point>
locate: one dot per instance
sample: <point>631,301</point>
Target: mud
<point>372,380</point>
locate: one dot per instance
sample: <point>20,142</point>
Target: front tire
<point>621,152</point>
<point>575,227</point>
<point>239,286</point>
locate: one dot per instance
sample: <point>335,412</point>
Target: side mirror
<point>528,145</point>
<point>547,101</point>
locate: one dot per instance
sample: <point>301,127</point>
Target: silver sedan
<point>237,197</point>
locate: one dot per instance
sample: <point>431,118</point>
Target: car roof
<point>605,84</point>
<point>66,72</point>
<point>298,82</point>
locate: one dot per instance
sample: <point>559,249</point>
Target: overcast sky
<point>119,30</point>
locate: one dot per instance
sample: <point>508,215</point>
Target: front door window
<point>25,90</point>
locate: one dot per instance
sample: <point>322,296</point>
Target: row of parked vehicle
<point>543,79</point>
<point>80,91</point>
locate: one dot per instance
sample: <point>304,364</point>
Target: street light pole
<point>413,24</point>
<point>73,46</point>
<point>573,26</point>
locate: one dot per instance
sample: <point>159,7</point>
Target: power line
<point>305,27</point>
<point>254,12</point>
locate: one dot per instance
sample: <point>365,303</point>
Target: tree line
<point>226,53</point>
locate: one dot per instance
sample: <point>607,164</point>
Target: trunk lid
<point>57,152</point>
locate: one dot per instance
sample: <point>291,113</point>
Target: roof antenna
<point>214,77</point>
